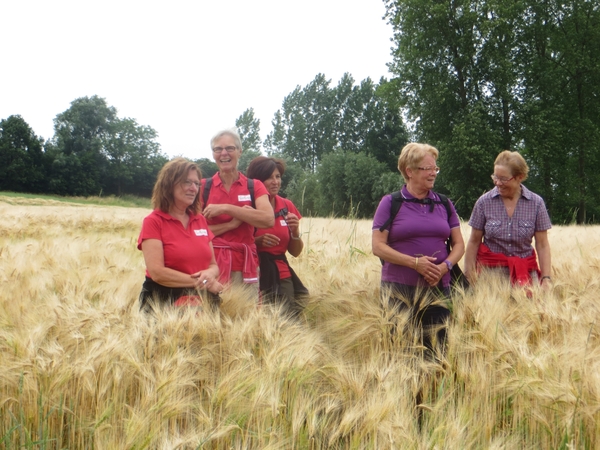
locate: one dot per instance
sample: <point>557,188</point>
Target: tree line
<point>470,78</point>
<point>93,153</point>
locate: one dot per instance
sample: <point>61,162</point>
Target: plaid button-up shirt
<point>511,236</point>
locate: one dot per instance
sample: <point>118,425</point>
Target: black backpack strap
<point>446,204</point>
<point>251,190</point>
<point>206,191</point>
<point>397,200</point>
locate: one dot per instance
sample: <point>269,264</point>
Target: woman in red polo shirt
<point>230,214</point>
<point>176,241</point>
<point>278,282</point>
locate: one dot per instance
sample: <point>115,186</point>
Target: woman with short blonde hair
<point>412,245</point>
<point>504,223</point>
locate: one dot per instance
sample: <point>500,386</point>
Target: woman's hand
<point>432,273</point>
<point>215,209</point>
<point>293,224</point>
<point>206,279</point>
<point>267,240</point>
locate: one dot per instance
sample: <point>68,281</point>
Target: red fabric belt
<point>520,268</point>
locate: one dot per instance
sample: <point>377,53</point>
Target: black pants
<point>155,295</point>
<point>427,309</point>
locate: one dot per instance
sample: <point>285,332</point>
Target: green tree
<point>81,137</point>
<point>21,157</point>
<point>317,119</point>
<point>477,78</point>
<point>303,191</point>
<point>349,184</point>
<point>303,129</point>
<point>561,111</point>
<point>451,65</point>
<point>94,152</point>
<point>249,130</point>
<point>134,158</point>
<point>207,167</point>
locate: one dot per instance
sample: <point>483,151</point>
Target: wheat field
<point>81,367</point>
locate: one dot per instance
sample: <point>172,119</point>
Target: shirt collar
<point>408,195</point>
<point>218,182</point>
<point>168,216</point>
<point>526,193</point>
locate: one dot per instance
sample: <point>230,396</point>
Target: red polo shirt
<point>281,230</point>
<point>185,250</point>
<point>238,195</point>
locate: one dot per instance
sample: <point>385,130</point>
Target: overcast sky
<point>186,68</point>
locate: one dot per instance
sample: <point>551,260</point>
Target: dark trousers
<point>155,296</point>
<point>427,308</point>
<point>292,302</point>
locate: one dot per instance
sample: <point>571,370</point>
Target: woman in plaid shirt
<point>504,222</point>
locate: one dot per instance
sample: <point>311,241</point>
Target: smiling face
<point>507,184</point>
<point>273,183</point>
<point>423,180</point>
<point>226,153</point>
<point>186,192</point>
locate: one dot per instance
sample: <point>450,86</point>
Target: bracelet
<point>416,262</point>
<point>299,238</point>
<point>546,276</point>
<point>449,265</point>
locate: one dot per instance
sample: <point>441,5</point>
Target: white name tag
<point>283,223</point>
<point>244,198</point>
<point>201,232</point>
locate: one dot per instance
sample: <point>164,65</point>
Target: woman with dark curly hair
<point>278,281</point>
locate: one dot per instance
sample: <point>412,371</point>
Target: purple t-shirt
<point>510,236</point>
<point>415,231</point>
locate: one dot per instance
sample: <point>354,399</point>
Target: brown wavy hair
<point>174,172</point>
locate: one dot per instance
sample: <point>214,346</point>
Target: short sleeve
<point>453,220</point>
<point>382,214</point>
<point>151,229</point>
<point>477,219</point>
<point>542,222</point>
<point>259,189</point>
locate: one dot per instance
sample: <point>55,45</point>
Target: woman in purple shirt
<point>504,223</point>
<point>416,263</point>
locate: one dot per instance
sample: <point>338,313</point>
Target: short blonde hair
<point>515,163</point>
<point>173,173</point>
<point>412,154</point>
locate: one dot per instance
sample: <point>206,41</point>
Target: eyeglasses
<point>188,184</point>
<point>430,169</point>
<point>500,180</point>
<point>229,149</point>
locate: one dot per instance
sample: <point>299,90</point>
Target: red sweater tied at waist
<point>224,258</point>
<point>519,268</point>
